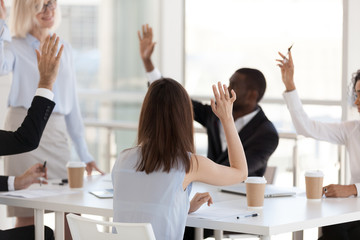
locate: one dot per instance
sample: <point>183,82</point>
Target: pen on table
<point>62,183</point>
<point>251,215</point>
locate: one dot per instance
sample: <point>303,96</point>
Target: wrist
<point>290,87</point>
<point>149,67</point>
<point>45,84</point>
<point>227,120</point>
<point>17,184</point>
<point>353,190</point>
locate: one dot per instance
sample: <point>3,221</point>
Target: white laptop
<point>270,190</point>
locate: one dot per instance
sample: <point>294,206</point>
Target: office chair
<point>86,229</point>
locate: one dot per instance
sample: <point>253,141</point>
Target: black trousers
<point>26,233</point>
<point>190,233</point>
<point>343,231</point>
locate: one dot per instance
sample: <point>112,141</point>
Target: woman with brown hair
<point>151,181</point>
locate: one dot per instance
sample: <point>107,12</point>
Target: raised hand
<point>146,46</point>
<point>2,10</point>
<point>198,200</point>
<point>31,176</point>
<point>49,61</point>
<point>222,106</point>
<point>287,71</point>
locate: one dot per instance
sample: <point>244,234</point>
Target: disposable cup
<point>76,174</point>
<point>255,189</point>
<point>314,183</point>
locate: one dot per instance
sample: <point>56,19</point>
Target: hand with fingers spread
<point>31,176</point>
<point>49,61</point>
<point>146,46</point>
<point>287,71</point>
<point>198,200</point>
<point>222,106</point>
<point>2,10</point>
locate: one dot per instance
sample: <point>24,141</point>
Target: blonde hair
<point>23,16</point>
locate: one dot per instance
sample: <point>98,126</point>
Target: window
<point>222,36</point>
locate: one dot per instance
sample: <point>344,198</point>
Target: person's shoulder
<point>265,127</point>
<point>16,42</point>
<point>126,158</point>
<point>126,151</point>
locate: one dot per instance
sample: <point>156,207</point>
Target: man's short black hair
<point>255,80</point>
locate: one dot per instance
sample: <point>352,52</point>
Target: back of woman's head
<point>23,16</point>
<point>166,130</point>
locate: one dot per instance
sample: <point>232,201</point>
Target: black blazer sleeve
<point>27,136</point>
<point>3,183</point>
<point>202,112</point>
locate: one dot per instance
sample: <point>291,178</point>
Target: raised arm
<point>27,136</point>
<point>331,132</point>
<point>204,169</point>
<point>146,47</point>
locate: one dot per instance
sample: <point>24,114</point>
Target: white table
<point>79,202</point>
<point>279,215</point>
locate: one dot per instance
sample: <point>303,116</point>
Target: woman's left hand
<point>92,165</point>
<point>337,190</point>
<point>198,200</point>
<point>222,106</point>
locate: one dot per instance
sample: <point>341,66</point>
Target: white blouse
<point>17,55</point>
<point>346,133</point>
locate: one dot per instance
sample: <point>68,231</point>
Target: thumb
<point>37,56</point>
<point>213,105</point>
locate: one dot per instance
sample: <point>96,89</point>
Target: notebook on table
<point>270,190</point>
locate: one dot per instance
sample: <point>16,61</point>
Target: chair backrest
<point>270,174</point>
<point>87,229</point>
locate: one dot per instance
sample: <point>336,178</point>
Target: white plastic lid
<point>75,164</point>
<point>314,173</point>
<point>256,180</point>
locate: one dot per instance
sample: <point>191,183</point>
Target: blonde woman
<point>31,21</point>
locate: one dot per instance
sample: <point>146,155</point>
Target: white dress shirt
<point>346,133</point>
<point>17,55</point>
<point>239,124</point>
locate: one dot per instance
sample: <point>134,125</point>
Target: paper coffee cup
<point>314,183</point>
<point>76,174</point>
<point>255,189</point>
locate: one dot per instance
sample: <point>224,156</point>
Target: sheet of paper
<point>215,213</point>
<point>38,193</point>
